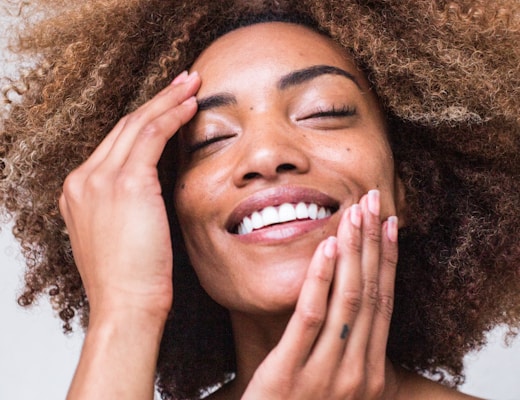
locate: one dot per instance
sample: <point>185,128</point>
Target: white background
<point>37,361</point>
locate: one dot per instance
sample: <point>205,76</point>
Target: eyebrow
<point>218,100</point>
<point>294,78</point>
<point>304,75</point>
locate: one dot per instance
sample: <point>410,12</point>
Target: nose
<point>269,153</point>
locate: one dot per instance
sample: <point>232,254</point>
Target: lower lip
<point>281,233</point>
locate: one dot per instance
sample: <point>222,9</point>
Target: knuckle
<point>355,384</point>
<point>376,388</point>
<point>385,306</point>
<point>135,117</point>
<point>323,275</point>
<point>72,186</point>
<point>353,244</point>
<point>352,301</point>
<point>373,234</point>
<point>389,258</point>
<point>96,184</point>
<point>371,291</point>
<point>150,129</point>
<point>127,183</point>
<point>312,318</point>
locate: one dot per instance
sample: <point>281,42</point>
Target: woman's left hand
<point>334,346</point>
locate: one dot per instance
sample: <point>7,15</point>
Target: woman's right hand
<point>114,212</point>
<point>118,228</point>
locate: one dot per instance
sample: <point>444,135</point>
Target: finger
<point>150,142</point>
<point>371,243</point>
<point>143,119</point>
<point>106,144</point>
<point>305,324</point>
<point>346,292</point>
<point>379,336</point>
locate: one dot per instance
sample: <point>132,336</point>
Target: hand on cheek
<point>334,346</point>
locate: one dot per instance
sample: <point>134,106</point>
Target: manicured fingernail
<point>373,202</point>
<point>192,76</point>
<point>355,215</point>
<point>392,228</point>
<point>180,78</point>
<point>331,246</point>
<point>189,101</point>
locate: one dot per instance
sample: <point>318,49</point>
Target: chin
<point>272,296</point>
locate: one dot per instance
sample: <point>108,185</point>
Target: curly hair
<point>448,77</point>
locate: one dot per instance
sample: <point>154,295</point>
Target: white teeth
<point>313,211</point>
<point>287,212</point>
<point>322,213</point>
<point>284,213</point>
<point>248,225</point>
<point>270,216</point>
<point>256,219</point>
<point>301,211</point>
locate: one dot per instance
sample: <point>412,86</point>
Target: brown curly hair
<point>448,76</point>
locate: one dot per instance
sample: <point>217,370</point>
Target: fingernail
<point>192,76</point>
<point>355,215</point>
<point>180,78</point>
<point>373,202</point>
<point>392,228</point>
<point>331,246</point>
<point>189,101</point>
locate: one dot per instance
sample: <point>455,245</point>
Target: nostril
<point>285,167</point>
<point>251,175</point>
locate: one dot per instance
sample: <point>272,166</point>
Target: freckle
<point>347,149</point>
<point>251,108</point>
<point>183,186</point>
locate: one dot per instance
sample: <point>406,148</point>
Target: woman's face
<point>287,130</point>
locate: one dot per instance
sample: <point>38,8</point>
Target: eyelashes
<point>320,113</point>
<point>192,148</point>
<point>332,112</point>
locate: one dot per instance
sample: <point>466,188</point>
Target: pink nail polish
<point>355,215</point>
<point>373,202</point>
<point>180,78</point>
<point>192,76</point>
<point>392,228</point>
<point>331,245</point>
<point>189,101</point>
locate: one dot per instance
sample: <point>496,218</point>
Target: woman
<point>287,124</point>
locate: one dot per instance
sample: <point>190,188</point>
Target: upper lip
<point>275,197</point>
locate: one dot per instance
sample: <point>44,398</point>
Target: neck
<point>255,336</point>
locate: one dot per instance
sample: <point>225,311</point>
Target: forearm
<point>118,358</point>
<point>413,386</point>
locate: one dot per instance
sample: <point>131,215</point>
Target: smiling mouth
<point>286,212</point>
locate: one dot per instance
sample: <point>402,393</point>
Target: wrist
<point>119,355</point>
<point>127,320</point>
<point>116,307</point>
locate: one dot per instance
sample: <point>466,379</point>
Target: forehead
<point>276,45</point>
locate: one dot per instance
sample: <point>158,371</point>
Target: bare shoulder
<point>413,386</point>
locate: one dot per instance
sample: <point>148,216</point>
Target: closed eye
<point>333,112</point>
<point>205,143</point>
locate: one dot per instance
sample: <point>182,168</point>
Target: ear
<point>400,203</point>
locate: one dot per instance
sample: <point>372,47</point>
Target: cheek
<point>199,193</point>
<point>369,163</point>
<point>362,164</point>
